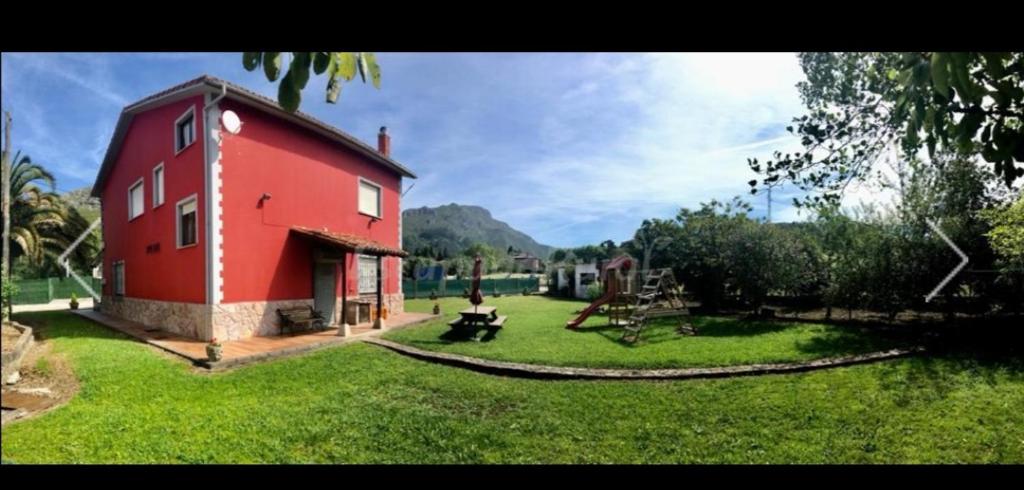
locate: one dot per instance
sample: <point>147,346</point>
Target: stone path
<point>522,370</point>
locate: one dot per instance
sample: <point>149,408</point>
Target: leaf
<point>940,74</point>
<point>299,70</point>
<point>251,60</point>
<point>362,66</point>
<point>321,61</point>
<point>333,89</point>
<point>371,62</point>
<point>287,94</point>
<point>272,65</point>
<point>346,65</point>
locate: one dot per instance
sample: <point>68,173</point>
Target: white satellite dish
<point>231,122</point>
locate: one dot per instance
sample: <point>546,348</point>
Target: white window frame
<point>380,197</point>
<point>177,221</point>
<point>158,190</point>
<point>192,133</point>
<point>142,210</point>
<point>359,275</point>
<point>118,291</point>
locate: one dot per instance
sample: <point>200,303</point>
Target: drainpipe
<point>223,92</point>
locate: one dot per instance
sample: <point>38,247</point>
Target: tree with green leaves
<point>861,106</point>
<point>340,67</point>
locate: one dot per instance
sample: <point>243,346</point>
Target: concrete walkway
<point>237,352</point>
<point>55,305</point>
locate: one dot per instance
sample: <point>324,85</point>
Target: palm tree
<point>36,214</point>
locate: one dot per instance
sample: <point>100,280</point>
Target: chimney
<point>384,141</point>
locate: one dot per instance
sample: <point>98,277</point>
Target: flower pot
<point>437,309</point>
<point>214,352</point>
<point>74,305</point>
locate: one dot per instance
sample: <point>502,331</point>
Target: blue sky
<point>571,148</point>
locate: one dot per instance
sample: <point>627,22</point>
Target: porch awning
<point>349,243</point>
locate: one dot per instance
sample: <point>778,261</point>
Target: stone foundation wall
<point>227,321</point>
<point>186,319</point>
<point>232,321</point>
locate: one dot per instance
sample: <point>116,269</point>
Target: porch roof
<point>349,243</point>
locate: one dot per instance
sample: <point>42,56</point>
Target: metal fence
<point>41,291</point>
<point>457,287</point>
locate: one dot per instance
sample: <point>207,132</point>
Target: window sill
<point>177,152</point>
<point>135,217</point>
<point>375,218</point>
<point>188,246</point>
<point>157,206</point>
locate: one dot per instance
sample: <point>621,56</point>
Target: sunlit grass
<point>363,404</point>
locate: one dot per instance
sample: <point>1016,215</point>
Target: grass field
<point>361,404</point>
<point>536,333</point>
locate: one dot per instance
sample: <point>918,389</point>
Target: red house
<point>208,231</point>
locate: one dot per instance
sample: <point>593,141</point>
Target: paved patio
<point>252,349</point>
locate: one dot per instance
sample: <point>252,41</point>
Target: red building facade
<point>206,230</point>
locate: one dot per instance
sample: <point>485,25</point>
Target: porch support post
<point>344,330</point>
<point>379,323</point>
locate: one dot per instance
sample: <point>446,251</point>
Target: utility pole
<point>769,204</point>
<point>5,272</point>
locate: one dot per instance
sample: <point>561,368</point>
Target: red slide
<point>611,288</point>
<point>608,295</point>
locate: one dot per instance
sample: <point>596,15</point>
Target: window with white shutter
<point>369,198</point>
<point>136,202</point>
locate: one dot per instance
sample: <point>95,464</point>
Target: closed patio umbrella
<point>474,295</point>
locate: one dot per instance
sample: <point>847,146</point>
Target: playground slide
<point>604,299</point>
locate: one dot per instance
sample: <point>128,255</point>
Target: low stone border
<point>521,370</point>
<point>11,360</point>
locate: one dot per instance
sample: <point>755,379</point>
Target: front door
<point>324,286</point>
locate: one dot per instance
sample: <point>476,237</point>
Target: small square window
<point>118,278</point>
<point>185,130</point>
<point>158,185</point>
<point>136,202</point>
<point>188,226</point>
<point>369,198</point>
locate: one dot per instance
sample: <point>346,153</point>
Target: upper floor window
<point>188,226</point>
<point>369,198</point>
<point>158,185</point>
<point>185,130</point>
<point>136,203</point>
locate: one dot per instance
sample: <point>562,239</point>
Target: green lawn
<point>360,403</point>
<point>535,333</point>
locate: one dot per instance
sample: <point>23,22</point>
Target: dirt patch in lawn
<point>47,381</point>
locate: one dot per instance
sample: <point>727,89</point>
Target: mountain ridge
<point>454,227</point>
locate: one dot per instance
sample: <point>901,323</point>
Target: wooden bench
<point>497,322</point>
<point>304,316</point>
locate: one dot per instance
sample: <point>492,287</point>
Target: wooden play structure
<point>658,296</point>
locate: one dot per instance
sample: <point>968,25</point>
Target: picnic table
<point>479,316</point>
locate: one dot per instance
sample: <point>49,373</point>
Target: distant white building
<point>586,274</point>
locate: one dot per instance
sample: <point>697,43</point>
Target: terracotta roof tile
<point>351,243</point>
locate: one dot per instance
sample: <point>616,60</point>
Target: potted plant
<point>74,301</point>
<point>214,350</point>
<point>437,307</point>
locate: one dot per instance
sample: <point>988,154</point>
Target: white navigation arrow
<point>956,249</point>
<point>63,259</point>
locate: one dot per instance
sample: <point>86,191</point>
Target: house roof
<point>349,243</point>
<point>208,84</point>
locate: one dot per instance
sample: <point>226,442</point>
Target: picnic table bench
<point>304,316</point>
<point>480,316</point>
